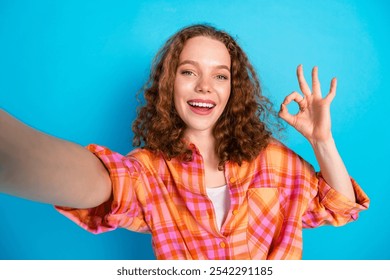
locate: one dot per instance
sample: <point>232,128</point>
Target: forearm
<point>332,168</point>
<point>40,167</point>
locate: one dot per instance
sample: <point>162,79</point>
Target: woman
<point>209,182</point>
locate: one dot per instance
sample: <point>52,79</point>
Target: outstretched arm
<point>43,168</point>
<point>314,123</point>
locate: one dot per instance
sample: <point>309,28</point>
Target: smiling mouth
<point>202,105</point>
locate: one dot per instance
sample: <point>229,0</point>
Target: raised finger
<point>332,90</point>
<point>302,81</point>
<point>316,87</point>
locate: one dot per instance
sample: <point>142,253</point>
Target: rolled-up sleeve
<point>305,195</point>
<point>328,206</point>
<point>127,204</point>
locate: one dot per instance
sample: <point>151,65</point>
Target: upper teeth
<point>201,104</point>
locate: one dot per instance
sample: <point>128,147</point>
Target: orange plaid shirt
<point>272,199</point>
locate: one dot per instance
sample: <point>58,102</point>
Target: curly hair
<point>242,130</point>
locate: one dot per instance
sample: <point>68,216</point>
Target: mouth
<point>206,105</point>
<point>201,107</point>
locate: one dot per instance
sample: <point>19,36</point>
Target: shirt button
<point>235,211</point>
<point>232,180</point>
<point>222,244</point>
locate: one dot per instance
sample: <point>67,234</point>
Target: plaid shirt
<point>272,199</point>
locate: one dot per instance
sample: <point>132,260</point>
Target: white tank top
<point>221,202</point>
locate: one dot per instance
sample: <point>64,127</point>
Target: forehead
<point>205,49</point>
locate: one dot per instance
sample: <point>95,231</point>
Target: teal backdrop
<point>72,69</point>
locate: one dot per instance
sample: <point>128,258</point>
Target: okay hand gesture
<point>313,119</point>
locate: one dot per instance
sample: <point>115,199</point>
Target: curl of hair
<point>242,130</point>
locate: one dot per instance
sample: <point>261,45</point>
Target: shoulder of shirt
<point>143,154</point>
<point>146,158</point>
<point>276,154</point>
<point>276,146</point>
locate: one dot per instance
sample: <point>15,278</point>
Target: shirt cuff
<point>338,203</point>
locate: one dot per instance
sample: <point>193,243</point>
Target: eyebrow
<point>187,61</point>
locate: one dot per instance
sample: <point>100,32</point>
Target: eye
<point>222,77</point>
<point>187,73</point>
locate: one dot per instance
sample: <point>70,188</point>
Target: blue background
<point>72,69</point>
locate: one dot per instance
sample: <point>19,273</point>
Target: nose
<point>203,85</point>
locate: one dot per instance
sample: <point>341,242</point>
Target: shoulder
<point>140,153</point>
<point>276,151</point>
<point>278,155</point>
<point>146,159</point>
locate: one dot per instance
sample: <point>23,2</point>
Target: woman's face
<point>202,83</point>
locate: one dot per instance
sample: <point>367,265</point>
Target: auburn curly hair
<point>242,130</point>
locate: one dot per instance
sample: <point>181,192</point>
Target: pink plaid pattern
<point>272,199</point>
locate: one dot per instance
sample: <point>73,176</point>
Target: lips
<point>201,107</point>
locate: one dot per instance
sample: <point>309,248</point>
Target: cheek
<point>226,95</point>
<point>178,88</point>
<point>181,91</point>
<point>183,85</point>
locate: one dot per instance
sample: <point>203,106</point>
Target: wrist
<point>324,145</point>
<point>321,140</point>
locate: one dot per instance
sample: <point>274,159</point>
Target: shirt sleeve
<point>305,193</point>
<point>126,207</point>
<point>327,206</point>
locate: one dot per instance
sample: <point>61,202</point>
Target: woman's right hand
<point>40,167</point>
